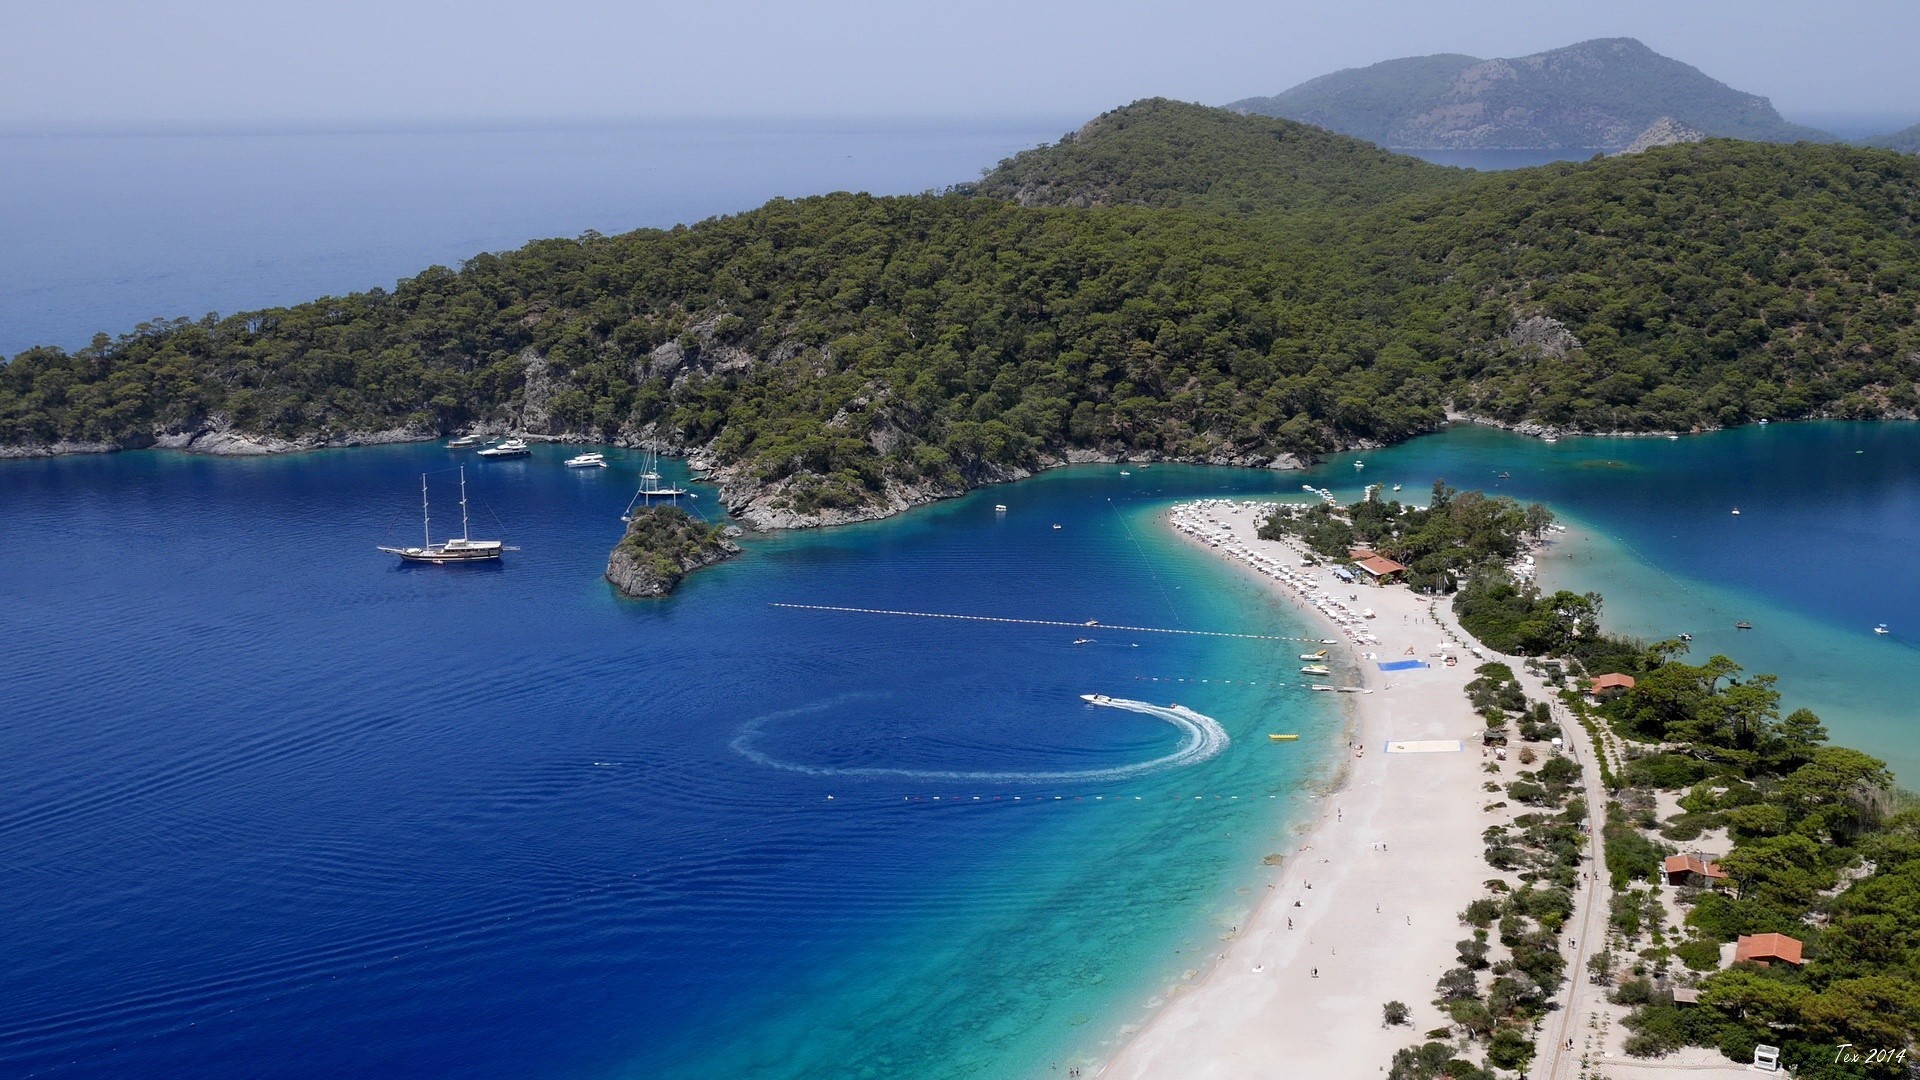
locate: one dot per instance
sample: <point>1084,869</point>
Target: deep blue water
<point>99,232</point>
<point>270,803</point>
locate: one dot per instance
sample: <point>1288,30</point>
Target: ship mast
<point>463,503</point>
<point>426,521</point>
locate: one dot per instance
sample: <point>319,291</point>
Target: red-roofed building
<point>1692,869</point>
<point>1612,684</point>
<point>1380,568</point>
<point>1763,949</point>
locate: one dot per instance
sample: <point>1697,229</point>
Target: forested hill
<point>1158,152</point>
<point>844,356</point>
<point>1600,93</point>
<point>1906,140</point>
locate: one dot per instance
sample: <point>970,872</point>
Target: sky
<point>94,63</point>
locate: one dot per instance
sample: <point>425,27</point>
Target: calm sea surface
<point>271,805</point>
<point>267,797</point>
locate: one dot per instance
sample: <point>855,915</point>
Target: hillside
<point>1165,153</point>
<point>1907,140</point>
<point>844,357</point>
<point>1599,94</point>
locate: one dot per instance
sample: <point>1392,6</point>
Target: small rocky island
<point>664,544</point>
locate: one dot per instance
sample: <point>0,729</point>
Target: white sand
<point>1373,894</point>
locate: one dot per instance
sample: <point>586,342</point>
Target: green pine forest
<point>1172,281</point>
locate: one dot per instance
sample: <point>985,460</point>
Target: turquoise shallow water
<point>1820,553</point>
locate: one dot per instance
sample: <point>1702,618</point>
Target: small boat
<point>1506,476</point>
<point>1550,438</point>
<point>1095,699</point>
<point>1321,687</point>
<point>1056,526</point>
<point>1282,738</point>
<point>1881,629</point>
<point>999,508</point>
<point>465,442</point>
<point>509,448</point>
<point>460,549</point>
<point>1743,625</point>
<point>1673,438</point>
<point>1359,464</point>
<point>1763,421</point>
<point>1736,511</point>
<point>1321,655</point>
<point>587,461</point>
<point>1083,641</point>
<point>1124,472</point>
<point>1686,637</point>
<point>1316,669</point>
<point>1396,487</point>
<point>1349,689</point>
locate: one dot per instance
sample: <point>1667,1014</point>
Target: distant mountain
<point>1906,141</point>
<point>1601,94</point>
<point>1157,152</point>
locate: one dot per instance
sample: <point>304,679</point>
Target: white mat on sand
<point>1425,746</point>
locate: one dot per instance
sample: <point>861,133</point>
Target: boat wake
<point>1202,738</point>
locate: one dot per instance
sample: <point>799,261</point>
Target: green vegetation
<point>1598,93</point>
<point>1906,140</point>
<point>661,545</point>
<point>1169,153</point>
<point>1288,293</point>
<point>1456,534</point>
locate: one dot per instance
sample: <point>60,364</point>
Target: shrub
<point>1396,1013</point>
<point>1699,954</point>
<point>1509,1050</point>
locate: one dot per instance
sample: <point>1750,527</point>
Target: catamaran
<point>587,461</point>
<point>460,549</point>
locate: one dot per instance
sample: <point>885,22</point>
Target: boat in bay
<point>507,448</point>
<point>587,461</point>
<point>465,442</point>
<point>650,487</point>
<point>1282,738</point>
<point>1316,669</point>
<point>460,549</point>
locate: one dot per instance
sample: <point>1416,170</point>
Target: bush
<point>1509,1050</point>
<point>1699,954</point>
<point>1396,1013</point>
<point>1665,771</point>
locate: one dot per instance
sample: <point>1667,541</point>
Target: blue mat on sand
<point>1403,665</point>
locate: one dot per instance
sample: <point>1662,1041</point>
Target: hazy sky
<point>72,62</point>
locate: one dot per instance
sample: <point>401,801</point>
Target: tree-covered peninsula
<point>1172,282</point>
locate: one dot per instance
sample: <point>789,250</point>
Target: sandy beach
<point>1366,910</point>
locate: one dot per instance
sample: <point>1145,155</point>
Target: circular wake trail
<point>1202,737</point>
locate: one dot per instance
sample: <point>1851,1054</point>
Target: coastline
<point>1364,909</point>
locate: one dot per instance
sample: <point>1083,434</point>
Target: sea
<point>274,804</point>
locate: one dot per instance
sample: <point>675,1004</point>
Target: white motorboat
<point>587,461</point>
<point>1881,629</point>
<point>509,448</point>
<point>465,442</point>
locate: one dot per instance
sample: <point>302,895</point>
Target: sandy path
<point>1367,910</point>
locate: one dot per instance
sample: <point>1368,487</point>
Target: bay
<point>267,797</point>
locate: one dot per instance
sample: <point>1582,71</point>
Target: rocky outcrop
<point>1548,335</point>
<point>1665,131</point>
<point>218,438</point>
<point>663,545</point>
